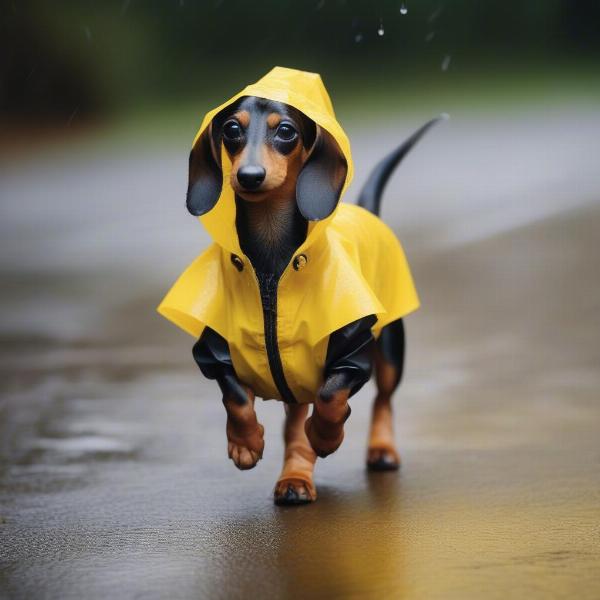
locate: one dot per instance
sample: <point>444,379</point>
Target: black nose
<point>250,177</point>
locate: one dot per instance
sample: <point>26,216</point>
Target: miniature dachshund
<point>269,144</point>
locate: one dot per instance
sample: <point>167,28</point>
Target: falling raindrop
<point>358,38</point>
<point>430,36</point>
<point>446,62</point>
<point>88,33</point>
<point>73,114</point>
<point>381,30</point>
<point>321,4</point>
<point>403,9</point>
<point>435,14</point>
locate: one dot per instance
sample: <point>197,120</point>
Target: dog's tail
<point>370,195</point>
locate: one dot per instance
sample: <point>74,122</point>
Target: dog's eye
<point>286,132</point>
<point>232,130</point>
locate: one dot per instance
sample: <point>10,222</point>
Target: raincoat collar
<point>305,92</point>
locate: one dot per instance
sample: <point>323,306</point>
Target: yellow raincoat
<point>354,267</point>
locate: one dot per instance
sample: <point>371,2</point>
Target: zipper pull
<point>267,293</point>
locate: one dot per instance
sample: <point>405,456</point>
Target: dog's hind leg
<point>389,362</point>
<point>295,484</point>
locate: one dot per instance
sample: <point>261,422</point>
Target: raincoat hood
<point>305,92</point>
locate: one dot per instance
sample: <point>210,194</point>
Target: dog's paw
<point>325,438</point>
<point>247,449</point>
<point>292,491</point>
<point>380,458</point>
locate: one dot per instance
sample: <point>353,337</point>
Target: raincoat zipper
<point>267,283</point>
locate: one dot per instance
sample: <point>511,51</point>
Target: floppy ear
<point>321,180</point>
<point>205,176</point>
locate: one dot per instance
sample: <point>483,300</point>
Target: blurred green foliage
<point>96,58</point>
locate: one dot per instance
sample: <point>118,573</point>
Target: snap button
<point>238,263</point>
<point>300,262</point>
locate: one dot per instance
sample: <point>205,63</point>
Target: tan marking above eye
<point>273,120</point>
<point>243,117</point>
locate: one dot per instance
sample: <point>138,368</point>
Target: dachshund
<point>270,145</point>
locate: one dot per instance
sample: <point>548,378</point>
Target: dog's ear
<point>205,175</point>
<point>321,179</point>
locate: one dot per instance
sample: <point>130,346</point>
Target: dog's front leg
<point>325,427</point>
<point>245,442</point>
<point>347,367</point>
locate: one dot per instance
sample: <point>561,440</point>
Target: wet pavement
<point>114,478</point>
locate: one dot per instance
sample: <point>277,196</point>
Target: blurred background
<point>74,63</point>
<point>113,472</point>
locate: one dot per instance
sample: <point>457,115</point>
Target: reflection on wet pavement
<point>114,478</point>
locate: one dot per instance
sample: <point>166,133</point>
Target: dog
<point>284,173</point>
